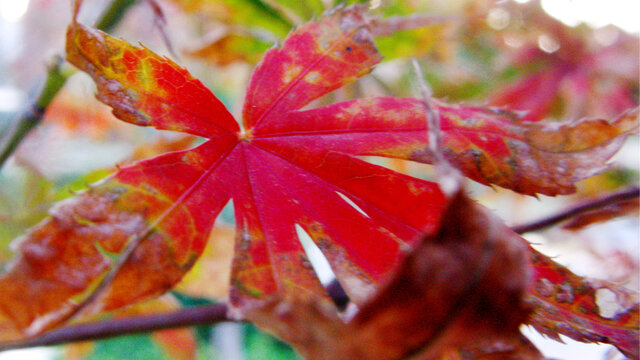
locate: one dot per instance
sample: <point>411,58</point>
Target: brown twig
<point>193,316</point>
<point>626,194</point>
<point>199,315</point>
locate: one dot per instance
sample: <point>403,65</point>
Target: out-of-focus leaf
<point>139,346</point>
<point>565,69</point>
<point>410,43</point>
<point>78,351</point>
<point>406,31</point>
<point>71,122</point>
<point>397,36</point>
<point>25,196</point>
<point>246,13</point>
<point>300,11</point>
<point>233,47</point>
<point>76,115</point>
<point>178,344</point>
<point>262,346</point>
<point>458,294</point>
<point>209,277</point>
<point>161,146</point>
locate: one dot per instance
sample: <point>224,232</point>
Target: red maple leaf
<point>286,167</point>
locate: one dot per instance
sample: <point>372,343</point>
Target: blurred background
<point>556,59</point>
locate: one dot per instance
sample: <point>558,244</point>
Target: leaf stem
<point>192,316</point>
<point>449,178</point>
<point>112,16</point>
<point>588,205</point>
<point>55,80</point>
<point>198,315</point>
<point>32,116</point>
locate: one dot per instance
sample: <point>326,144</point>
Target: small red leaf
<point>568,304</point>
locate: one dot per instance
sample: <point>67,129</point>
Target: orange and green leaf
<point>146,89</point>
<point>244,13</point>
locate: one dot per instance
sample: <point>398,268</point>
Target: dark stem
<point>199,315</point>
<point>112,16</point>
<point>626,194</point>
<point>193,316</point>
<point>32,115</point>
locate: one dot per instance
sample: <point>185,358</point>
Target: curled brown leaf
<point>460,293</point>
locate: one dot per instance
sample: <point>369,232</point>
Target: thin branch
<point>32,116</point>
<point>627,194</point>
<point>55,80</point>
<point>112,16</point>
<point>198,315</point>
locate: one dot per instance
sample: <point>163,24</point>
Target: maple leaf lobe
<point>146,89</point>
<point>315,59</point>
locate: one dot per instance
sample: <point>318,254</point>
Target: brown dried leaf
<point>61,260</point>
<point>580,135</point>
<point>460,293</point>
